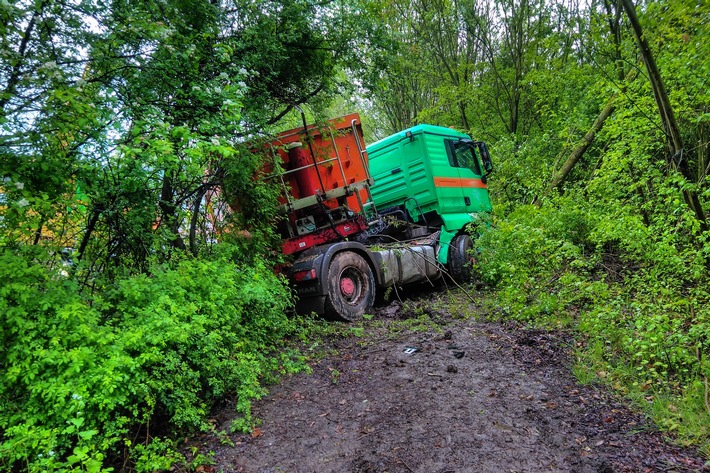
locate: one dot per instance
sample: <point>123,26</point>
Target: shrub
<point>637,295</point>
<point>84,378</point>
<point>534,249</point>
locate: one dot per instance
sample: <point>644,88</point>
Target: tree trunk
<point>582,146</point>
<point>676,159</point>
<point>93,219</point>
<point>169,211</point>
<point>193,222</point>
<point>16,73</point>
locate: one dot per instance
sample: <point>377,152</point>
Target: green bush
<point>84,378</point>
<point>638,296</point>
<point>534,249</point>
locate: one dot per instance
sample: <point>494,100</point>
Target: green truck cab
<point>434,175</point>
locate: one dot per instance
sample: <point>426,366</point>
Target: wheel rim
<point>347,287</point>
<point>351,286</point>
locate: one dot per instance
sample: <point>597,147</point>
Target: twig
<point>347,409</point>
<point>442,270</point>
<point>404,463</point>
<point>470,297</point>
<point>366,434</point>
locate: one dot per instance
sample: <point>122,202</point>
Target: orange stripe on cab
<point>459,182</point>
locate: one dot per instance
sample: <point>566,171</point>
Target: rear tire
<point>351,287</point>
<point>461,259</point>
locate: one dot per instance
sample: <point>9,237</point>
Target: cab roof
<point>416,130</point>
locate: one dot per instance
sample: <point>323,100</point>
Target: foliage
<point>128,143</point>
<point>87,378</point>
<point>640,304</point>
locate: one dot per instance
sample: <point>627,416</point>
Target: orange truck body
<point>324,177</point>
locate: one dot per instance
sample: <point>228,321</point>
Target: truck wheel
<point>351,287</point>
<point>461,259</point>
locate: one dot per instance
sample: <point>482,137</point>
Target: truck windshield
<point>463,156</point>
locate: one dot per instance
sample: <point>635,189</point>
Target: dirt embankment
<point>458,396</point>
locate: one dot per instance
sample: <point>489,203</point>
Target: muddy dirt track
<point>457,396</point>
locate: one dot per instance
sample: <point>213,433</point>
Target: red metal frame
<point>324,235</point>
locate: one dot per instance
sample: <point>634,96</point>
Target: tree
<point>49,115</point>
<point>146,107</point>
<point>677,158</point>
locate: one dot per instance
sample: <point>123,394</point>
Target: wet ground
<point>455,396</point>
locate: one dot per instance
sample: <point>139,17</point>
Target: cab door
<point>446,176</point>
<point>464,157</point>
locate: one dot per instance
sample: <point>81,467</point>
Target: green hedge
<point>86,380</point>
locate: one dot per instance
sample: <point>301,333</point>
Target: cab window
<point>463,157</point>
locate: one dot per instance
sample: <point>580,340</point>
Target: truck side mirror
<point>485,157</point>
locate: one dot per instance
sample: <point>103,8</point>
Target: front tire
<point>461,259</point>
<point>351,287</point>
